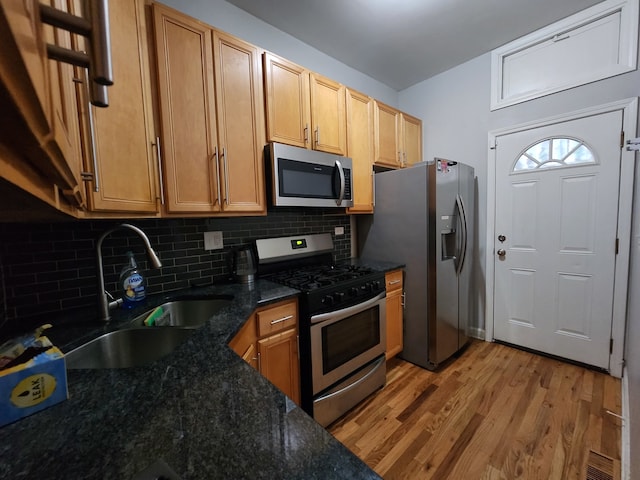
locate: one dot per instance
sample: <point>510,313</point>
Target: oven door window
<point>307,180</point>
<point>348,338</point>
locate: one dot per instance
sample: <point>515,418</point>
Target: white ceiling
<point>402,42</point>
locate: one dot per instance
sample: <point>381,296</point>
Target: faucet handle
<point>115,302</point>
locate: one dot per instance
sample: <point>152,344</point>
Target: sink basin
<point>187,313</point>
<point>131,347</point>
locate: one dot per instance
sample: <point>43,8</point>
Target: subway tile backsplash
<point>48,267</point>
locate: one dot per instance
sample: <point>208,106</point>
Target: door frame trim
<point>629,108</point>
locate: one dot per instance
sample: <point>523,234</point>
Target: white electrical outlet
<point>213,241</point>
<point>339,230</point>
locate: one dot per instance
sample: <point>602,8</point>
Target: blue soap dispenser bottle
<point>132,283</point>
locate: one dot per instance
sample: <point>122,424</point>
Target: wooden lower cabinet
<point>268,342</point>
<point>395,307</point>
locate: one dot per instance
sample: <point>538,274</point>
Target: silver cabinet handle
<point>97,30</point>
<point>317,136</point>
<point>259,362</point>
<point>280,320</point>
<point>226,175</point>
<point>100,42</point>
<point>215,155</point>
<point>160,179</point>
<point>306,133</point>
<point>92,140</point>
<point>404,299</point>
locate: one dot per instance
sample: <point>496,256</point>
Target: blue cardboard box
<point>38,383</point>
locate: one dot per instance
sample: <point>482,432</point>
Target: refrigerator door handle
<point>463,227</point>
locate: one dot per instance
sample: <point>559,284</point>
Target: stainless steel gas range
<point>342,327</point>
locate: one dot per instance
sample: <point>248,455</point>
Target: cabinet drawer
<point>393,280</point>
<point>277,318</point>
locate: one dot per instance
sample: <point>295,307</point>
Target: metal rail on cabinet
<point>96,29</point>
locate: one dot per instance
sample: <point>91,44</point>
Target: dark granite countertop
<point>201,410</point>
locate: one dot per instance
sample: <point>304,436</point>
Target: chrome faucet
<point>104,305</point>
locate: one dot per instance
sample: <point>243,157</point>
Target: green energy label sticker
<point>33,390</point>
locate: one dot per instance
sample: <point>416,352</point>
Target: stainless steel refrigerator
<point>424,219</point>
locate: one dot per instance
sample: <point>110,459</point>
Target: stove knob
<point>353,291</point>
<point>369,287</point>
<point>328,300</point>
<point>375,285</point>
<point>338,296</point>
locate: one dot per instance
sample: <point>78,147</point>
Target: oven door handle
<point>346,312</point>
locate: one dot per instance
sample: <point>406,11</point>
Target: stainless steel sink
<point>130,347</point>
<point>187,313</point>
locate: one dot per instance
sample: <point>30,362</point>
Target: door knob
<point>502,252</point>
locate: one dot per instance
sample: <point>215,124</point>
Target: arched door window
<point>554,152</point>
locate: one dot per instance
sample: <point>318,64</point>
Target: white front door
<point>557,190</point>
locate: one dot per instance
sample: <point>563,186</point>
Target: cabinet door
<point>239,105</point>
<point>360,149</point>
<point>278,360</point>
<point>288,103</point>
<point>386,134</point>
<point>244,342</point>
<point>191,165</point>
<point>63,144</point>
<point>328,118</point>
<point>23,64</point>
<point>125,161</point>
<point>411,140</point>
<point>393,282</point>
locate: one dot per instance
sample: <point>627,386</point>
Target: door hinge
<point>611,345</point>
<point>494,146</point>
<point>622,139</point>
<point>617,245</point>
<point>633,144</point>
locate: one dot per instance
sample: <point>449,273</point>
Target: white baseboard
<point>478,333</point>
<point>625,461</point>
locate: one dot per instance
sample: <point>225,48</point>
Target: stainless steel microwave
<point>308,178</point>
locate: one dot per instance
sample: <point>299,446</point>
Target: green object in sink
<point>130,347</point>
<point>153,317</point>
<point>182,313</point>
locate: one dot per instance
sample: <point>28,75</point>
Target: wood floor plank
<point>493,413</point>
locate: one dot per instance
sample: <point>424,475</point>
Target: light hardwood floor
<point>493,413</point>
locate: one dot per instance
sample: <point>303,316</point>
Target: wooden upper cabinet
<point>212,112</point>
<point>360,149</point>
<point>191,165</point>
<point>40,121</point>
<point>386,135</point>
<point>63,144</point>
<point>411,142</point>
<point>120,153</point>
<point>304,109</point>
<point>398,137</point>
<point>24,69</point>
<point>288,102</point>
<point>240,109</point>
<point>328,117</point>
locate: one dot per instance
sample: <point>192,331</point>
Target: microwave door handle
<point>342,182</point>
